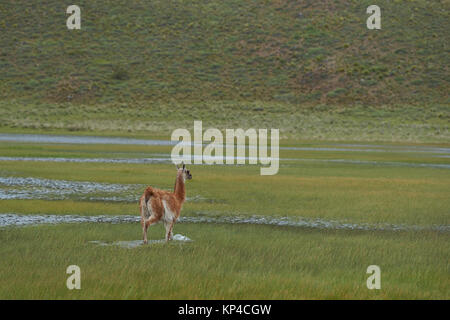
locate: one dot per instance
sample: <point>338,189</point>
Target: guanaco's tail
<point>148,193</point>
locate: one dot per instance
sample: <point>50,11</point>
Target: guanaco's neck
<point>179,189</point>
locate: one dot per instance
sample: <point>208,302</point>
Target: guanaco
<point>156,204</point>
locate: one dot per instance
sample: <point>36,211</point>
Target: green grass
<point>391,123</point>
<point>146,68</point>
<point>234,50</point>
<point>142,69</point>
<point>229,261</point>
<point>349,192</point>
<point>223,262</point>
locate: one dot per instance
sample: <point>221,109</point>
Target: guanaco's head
<point>185,173</point>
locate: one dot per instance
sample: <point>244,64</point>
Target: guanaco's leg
<point>169,227</point>
<point>147,223</point>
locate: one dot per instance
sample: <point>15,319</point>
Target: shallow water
<point>79,186</point>
<point>391,149</point>
<point>381,163</point>
<point>168,160</point>
<point>438,152</point>
<point>43,138</point>
<point>47,138</point>
<point>12,219</point>
<point>398,147</point>
<point>90,160</point>
<point>30,188</point>
<point>50,189</point>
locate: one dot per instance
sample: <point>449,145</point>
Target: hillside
<point>297,53</point>
<point>292,51</point>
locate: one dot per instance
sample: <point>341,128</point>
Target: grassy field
<point>389,123</point>
<point>223,262</point>
<point>233,260</point>
<point>364,125</point>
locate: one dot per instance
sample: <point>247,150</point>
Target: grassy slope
<point>137,64</point>
<point>211,50</point>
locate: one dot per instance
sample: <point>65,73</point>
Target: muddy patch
<point>138,243</point>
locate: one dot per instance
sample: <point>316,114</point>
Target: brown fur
<point>152,208</point>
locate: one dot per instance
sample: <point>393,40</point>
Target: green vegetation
<point>223,262</point>
<point>319,122</point>
<point>310,68</point>
<point>227,261</point>
<point>311,188</point>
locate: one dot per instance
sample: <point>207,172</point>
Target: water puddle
<point>43,138</point>
<point>373,148</point>
<point>49,189</point>
<point>430,149</point>
<point>30,188</point>
<point>390,150</point>
<point>310,223</point>
<point>79,186</point>
<point>168,160</point>
<point>11,219</point>
<point>91,160</point>
<point>47,138</point>
<point>138,243</point>
<point>381,163</point>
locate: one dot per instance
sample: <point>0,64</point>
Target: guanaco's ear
<point>176,165</point>
<point>184,166</point>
